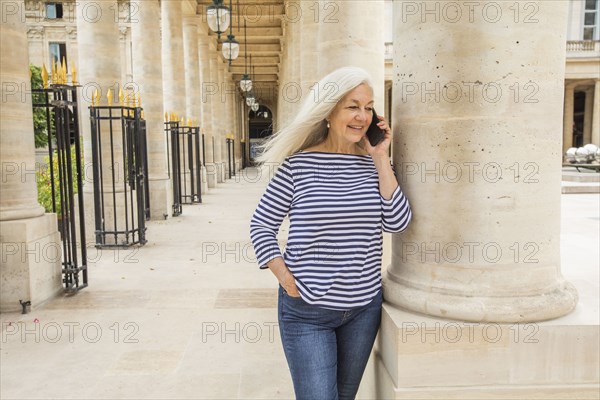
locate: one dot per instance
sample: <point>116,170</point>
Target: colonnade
<point>484,242</point>
<point>176,69</point>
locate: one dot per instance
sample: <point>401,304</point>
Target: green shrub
<point>40,128</point>
<point>44,181</point>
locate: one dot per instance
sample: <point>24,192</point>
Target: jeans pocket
<point>286,294</point>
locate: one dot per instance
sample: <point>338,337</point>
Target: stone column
<point>99,50</point>
<point>281,116</point>
<point>124,43</point>
<point>482,173</point>
<point>206,119</point>
<point>212,96</point>
<point>309,56</point>
<point>245,136</point>
<point>193,98</point>
<point>296,59</point>
<point>503,216</point>
<point>147,74</point>
<point>569,104</point>
<point>238,131</point>
<point>292,94</point>
<point>596,115</point>
<point>30,268</point>
<point>173,59</point>
<point>587,115</point>
<point>221,124</point>
<point>230,83</point>
<point>352,34</point>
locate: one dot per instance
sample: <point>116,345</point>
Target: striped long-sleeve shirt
<point>337,215</point>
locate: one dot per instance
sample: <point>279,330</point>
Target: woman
<point>340,193</point>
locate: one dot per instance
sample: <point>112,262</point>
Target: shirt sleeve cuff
<point>263,262</point>
<point>392,199</point>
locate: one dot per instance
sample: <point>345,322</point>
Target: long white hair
<point>309,127</point>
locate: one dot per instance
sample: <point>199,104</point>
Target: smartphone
<point>375,134</point>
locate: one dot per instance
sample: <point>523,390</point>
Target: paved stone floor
<point>190,316</point>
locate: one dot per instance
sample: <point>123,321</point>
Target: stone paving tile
<point>190,315</point>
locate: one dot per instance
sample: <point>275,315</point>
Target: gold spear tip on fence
<point>63,71</point>
<point>109,97</point>
<point>73,74</point>
<point>94,96</point>
<point>44,76</point>
<point>166,116</point>
<point>97,98</point>
<point>189,122</point>
<point>121,97</point>
<point>195,122</point>
<point>182,122</point>
<point>54,73</point>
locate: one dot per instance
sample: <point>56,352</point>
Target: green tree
<point>40,127</point>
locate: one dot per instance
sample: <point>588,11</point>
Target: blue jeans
<point>327,351</point>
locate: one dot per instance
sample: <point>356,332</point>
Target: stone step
<point>422,357</point>
<point>585,175</point>
<point>579,187</point>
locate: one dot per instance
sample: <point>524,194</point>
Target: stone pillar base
<point>30,266</point>
<point>557,301</point>
<point>421,357</point>
<point>109,213</point>
<point>161,198</point>
<point>221,172</point>
<point>203,180</point>
<point>211,174</point>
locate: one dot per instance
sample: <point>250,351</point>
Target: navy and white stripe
<point>336,217</point>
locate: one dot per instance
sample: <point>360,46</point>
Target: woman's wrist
<point>382,160</point>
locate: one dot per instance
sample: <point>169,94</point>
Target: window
<point>54,10</point>
<point>590,20</point>
<point>58,51</point>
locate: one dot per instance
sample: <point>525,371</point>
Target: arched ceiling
<point>264,37</point>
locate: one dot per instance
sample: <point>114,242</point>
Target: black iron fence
<point>65,171</point>
<point>120,164</point>
<point>185,145</point>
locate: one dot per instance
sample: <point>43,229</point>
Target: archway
<point>260,123</point>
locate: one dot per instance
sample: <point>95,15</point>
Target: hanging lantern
<point>246,83</point>
<point>250,99</point>
<point>231,48</point>
<point>218,17</point>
